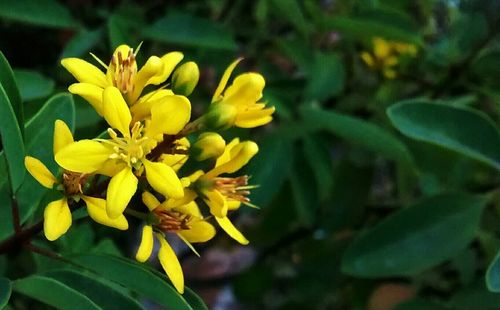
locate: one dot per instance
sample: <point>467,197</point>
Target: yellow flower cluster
<point>147,143</point>
<point>385,56</point>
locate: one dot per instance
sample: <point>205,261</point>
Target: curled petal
<point>96,208</point>
<point>169,60</point>
<point>226,156</point>
<point>56,219</point>
<point>146,245</point>
<point>246,90</point>
<point>240,155</point>
<point>62,136</point>
<point>150,201</point>
<point>116,111</point>
<point>252,119</point>
<point>200,231</point>
<point>85,72</point>
<point>169,115</point>
<point>84,156</point>
<point>224,79</point>
<point>121,188</point>
<point>170,264</point>
<point>142,109</point>
<point>232,231</point>
<point>153,67</point>
<point>216,202</point>
<point>40,172</point>
<point>163,179</point>
<point>90,92</point>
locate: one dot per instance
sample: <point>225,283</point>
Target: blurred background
<point>336,178</point>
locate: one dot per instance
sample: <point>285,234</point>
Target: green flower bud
<point>185,78</point>
<point>208,145</point>
<point>220,116</point>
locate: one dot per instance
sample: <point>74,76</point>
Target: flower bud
<point>208,145</point>
<point>220,116</point>
<point>185,78</point>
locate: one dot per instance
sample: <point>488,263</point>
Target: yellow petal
<point>153,67</point>
<point>169,60</point>
<point>89,92</point>
<point>200,231</point>
<point>121,188</point>
<point>62,135</point>
<point>56,219</point>
<point>252,119</point>
<point>146,245</point>
<point>170,264</point>
<point>169,115</point>
<point>368,59</point>
<point>224,79</point>
<point>163,179</point>
<point>190,208</point>
<point>189,196</point>
<point>40,172</point>
<point>111,167</point>
<point>246,90</point>
<point>216,202</point>
<point>233,205</point>
<point>232,231</point>
<point>150,201</point>
<point>85,72</point>
<point>116,111</point>
<point>226,156</point>
<point>381,48</point>
<point>142,109</point>
<point>240,156</point>
<point>96,207</point>
<point>84,156</point>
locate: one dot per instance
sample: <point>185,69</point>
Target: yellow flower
<point>224,193</point>
<point>386,54</point>
<point>172,216</point>
<point>185,78</point>
<point>238,104</point>
<point>57,214</point>
<point>208,145</point>
<point>122,73</point>
<point>127,155</point>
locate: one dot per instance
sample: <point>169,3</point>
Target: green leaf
<point>493,275</point>
<point>82,43</point>
<point>33,85</point>
<point>317,153</point>
<point>291,11</point>
<point>420,304</point>
<point>194,300</point>
<point>303,189</point>
<point>357,131</point>
<point>326,77</point>
<point>454,128</point>
<point>12,141</point>
<point>39,140</point>
<point>133,276</point>
<point>41,12</point>
<point>8,82</point>
<point>189,30</point>
<point>415,238</point>
<point>5,291</point>
<point>53,293</point>
<point>102,294</point>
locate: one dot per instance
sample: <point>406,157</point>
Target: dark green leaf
<point>326,77</point>
<point>12,141</point>
<point>53,293</point>
<point>318,155</point>
<point>291,11</point>
<point>475,296</point>
<point>5,291</point>
<point>454,128</point>
<point>189,30</point>
<point>133,276</point>
<point>8,82</point>
<point>41,12</point>
<point>415,238</point>
<point>303,189</point>
<point>357,131</point>
<point>82,43</point>
<point>420,304</point>
<point>33,85</point>
<point>99,292</point>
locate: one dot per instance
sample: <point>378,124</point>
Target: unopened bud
<point>208,145</point>
<point>185,78</point>
<point>220,116</point>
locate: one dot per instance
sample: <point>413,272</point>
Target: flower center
<point>172,221</point>
<point>72,182</point>
<point>234,188</point>
<point>130,149</point>
<point>123,71</point>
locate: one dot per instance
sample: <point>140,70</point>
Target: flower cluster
<point>385,56</point>
<point>149,139</point>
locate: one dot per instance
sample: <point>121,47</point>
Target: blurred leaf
<point>487,66</point>
<point>119,31</point>
<point>98,291</point>
<point>326,77</point>
<point>357,131</point>
<point>185,29</point>
<point>53,293</point>
<point>454,128</point>
<point>194,300</point>
<point>133,276</point>
<point>270,177</point>
<point>415,238</point>
<point>303,189</point>
<point>33,85</point>
<point>5,291</point>
<point>48,13</point>
<point>8,82</point>
<point>420,304</point>
<point>292,12</point>
<point>493,275</point>
<point>82,43</point>
<point>475,296</point>
<point>317,153</point>
<point>39,132</point>
<point>12,141</point>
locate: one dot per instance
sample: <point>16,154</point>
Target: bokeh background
<point>334,229</point>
